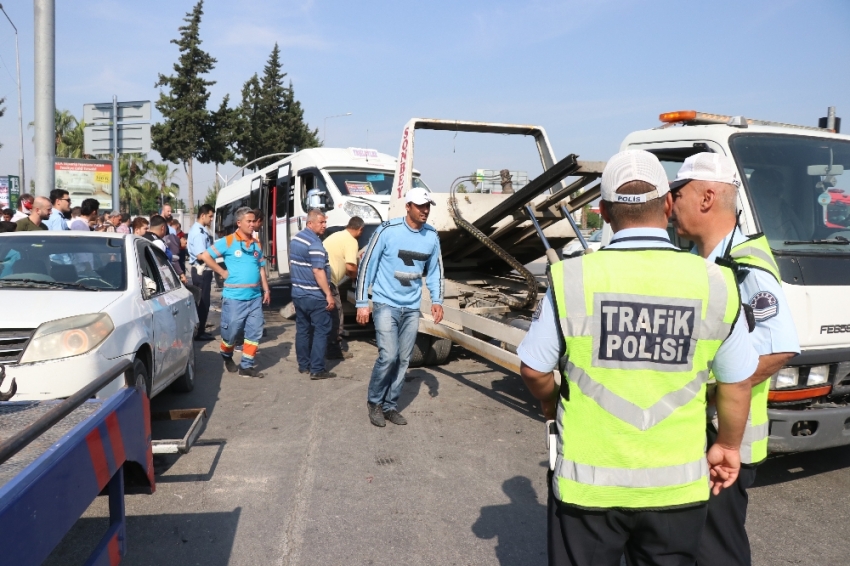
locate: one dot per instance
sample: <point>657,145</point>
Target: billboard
<point>5,195</point>
<point>85,178</point>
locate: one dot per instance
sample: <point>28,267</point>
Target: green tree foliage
<point>247,139</point>
<point>300,134</point>
<point>594,220</point>
<point>212,194</point>
<point>180,137</point>
<point>270,119</point>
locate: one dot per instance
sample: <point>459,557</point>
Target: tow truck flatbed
<point>56,457</point>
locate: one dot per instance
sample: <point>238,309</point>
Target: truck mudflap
<point>810,429</point>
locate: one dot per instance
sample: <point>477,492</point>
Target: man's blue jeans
<point>241,316</point>
<point>395,330</point>
<point>312,328</point>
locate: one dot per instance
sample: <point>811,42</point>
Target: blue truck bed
<point>46,486</point>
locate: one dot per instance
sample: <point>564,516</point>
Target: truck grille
<point>12,344</point>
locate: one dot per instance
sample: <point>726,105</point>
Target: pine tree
<point>180,137</point>
<point>218,138</point>
<point>270,119</point>
<point>247,137</point>
<point>299,134</point>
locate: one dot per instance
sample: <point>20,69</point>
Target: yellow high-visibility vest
<point>641,327</point>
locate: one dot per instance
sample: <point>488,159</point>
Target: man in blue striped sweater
<point>311,294</point>
<point>401,252</point>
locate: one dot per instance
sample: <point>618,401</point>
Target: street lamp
<point>325,129</point>
<point>20,114</point>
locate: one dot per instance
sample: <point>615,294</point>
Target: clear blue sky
<point>589,71</point>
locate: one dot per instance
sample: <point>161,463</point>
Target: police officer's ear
<point>603,211</point>
<point>668,205</point>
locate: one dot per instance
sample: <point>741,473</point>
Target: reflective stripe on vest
<point>664,476</point>
<point>641,329</point>
<point>625,410</point>
<point>755,252</point>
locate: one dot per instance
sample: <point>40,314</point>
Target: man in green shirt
<point>41,208</point>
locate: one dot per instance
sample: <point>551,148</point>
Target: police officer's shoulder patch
<point>765,305</point>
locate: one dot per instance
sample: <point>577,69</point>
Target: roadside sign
<point>138,111</point>
<point>14,191</point>
<point>132,138</point>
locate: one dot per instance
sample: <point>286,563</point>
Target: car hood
<point>29,308</point>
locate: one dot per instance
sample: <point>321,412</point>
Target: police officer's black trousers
<point>601,538</point>
<point>724,540</point>
<point>204,281</point>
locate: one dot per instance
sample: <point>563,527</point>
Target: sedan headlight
<point>67,337</point>
<point>361,209</point>
<point>786,377</point>
<point>818,375</point>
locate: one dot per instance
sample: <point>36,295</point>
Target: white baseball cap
<point>633,165</point>
<point>707,167</point>
<point>418,195</point>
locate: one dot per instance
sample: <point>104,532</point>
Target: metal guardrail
<point>18,442</point>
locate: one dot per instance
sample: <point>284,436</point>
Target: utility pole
<point>20,113</point>
<point>45,96</point>
<point>116,173</point>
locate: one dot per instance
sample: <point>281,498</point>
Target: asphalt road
<point>290,471</point>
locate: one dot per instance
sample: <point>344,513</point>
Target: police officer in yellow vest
<point>635,329</point>
<point>705,194</point>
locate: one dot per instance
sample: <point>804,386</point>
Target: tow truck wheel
<point>438,352</point>
<point>186,382</point>
<point>420,350</point>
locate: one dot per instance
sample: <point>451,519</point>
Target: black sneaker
<point>303,370</point>
<point>322,375</point>
<point>250,372</point>
<point>230,365</point>
<point>376,415</point>
<point>395,417</point>
<point>204,337</point>
<point>339,356</point>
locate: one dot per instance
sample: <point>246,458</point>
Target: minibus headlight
<point>361,209</point>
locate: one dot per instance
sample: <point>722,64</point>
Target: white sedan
<point>76,303</point>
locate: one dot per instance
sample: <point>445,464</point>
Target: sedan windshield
<point>365,183</point>
<point>800,190</point>
<point>67,262</point>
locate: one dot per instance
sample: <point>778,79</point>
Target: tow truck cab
<point>791,178</point>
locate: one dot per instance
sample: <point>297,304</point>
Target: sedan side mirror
<point>149,287</point>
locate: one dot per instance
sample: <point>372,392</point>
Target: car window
<point>148,266</point>
<point>170,281</point>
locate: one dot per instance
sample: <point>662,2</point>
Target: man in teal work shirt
<point>242,299</point>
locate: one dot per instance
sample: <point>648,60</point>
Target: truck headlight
<point>786,377</point>
<point>361,209</point>
<point>818,375</point>
<point>67,337</point>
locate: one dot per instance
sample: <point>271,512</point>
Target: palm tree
<point>64,123</point>
<point>133,186</point>
<point>162,176</point>
<point>73,142</point>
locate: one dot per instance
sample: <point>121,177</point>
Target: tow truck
<point>790,175</point>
